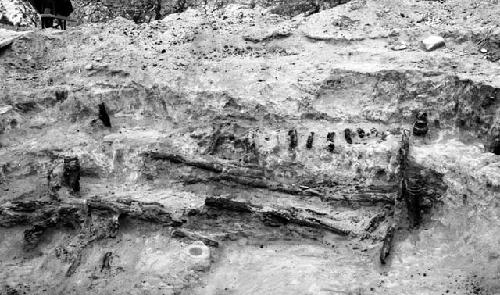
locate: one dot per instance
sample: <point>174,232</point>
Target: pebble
<point>483,50</point>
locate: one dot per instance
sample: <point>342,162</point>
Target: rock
<point>18,13</point>
<point>432,43</point>
<point>483,50</point>
<point>399,46</point>
<point>89,67</point>
<point>5,109</point>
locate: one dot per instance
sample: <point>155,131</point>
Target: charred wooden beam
<point>228,204</point>
<point>387,244</point>
<point>375,222</point>
<point>275,216</point>
<point>255,177</point>
<point>371,196</point>
<point>286,216</point>
<point>403,153</point>
<point>181,233</point>
<point>152,212</point>
<point>178,159</point>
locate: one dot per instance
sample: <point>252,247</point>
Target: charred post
<point>310,141</point>
<point>420,127</point>
<point>348,135</point>
<point>294,139</point>
<point>106,261</point>
<point>387,245</point>
<point>103,115</point>
<point>330,137</point>
<point>71,173</point>
<point>495,140</point>
<point>361,132</point>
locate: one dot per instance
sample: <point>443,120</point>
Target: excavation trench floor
<point>283,260</point>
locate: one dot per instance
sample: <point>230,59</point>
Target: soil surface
<point>239,151</point>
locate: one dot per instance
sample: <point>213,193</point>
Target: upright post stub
<point>71,173</point>
<point>330,138</point>
<point>103,115</point>
<point>420,127</point>
<point>310,141</point>
<point>294,139</point>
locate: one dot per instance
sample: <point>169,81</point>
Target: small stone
<point>432,43</point>
<point>89,67</point>
<point>5,109</point>
<point>483,50</point>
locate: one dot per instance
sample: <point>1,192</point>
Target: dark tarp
<point>58,7</point>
